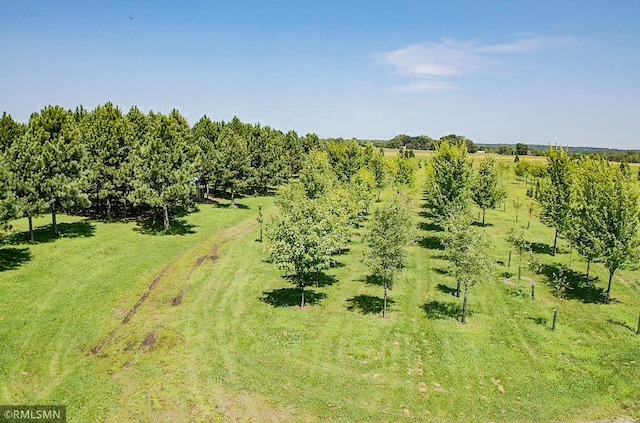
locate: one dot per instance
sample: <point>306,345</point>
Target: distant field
<point>217,336</point>
<point>423,154</point>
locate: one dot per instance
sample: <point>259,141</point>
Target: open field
<point>126,326</point>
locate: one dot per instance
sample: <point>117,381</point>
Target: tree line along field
<point>120,322</point>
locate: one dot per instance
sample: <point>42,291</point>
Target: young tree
<point>555,195</point>
<point>317,176</point>
<point>517,203</point>
<point>362,184</point>
<point>165,166</point>
<point>487,191</point>
<point>379,171</point>
<point>466,248</point>
<point>300,241</point>
<point>521,245</point>
<point>617,220</point>
<point>588,196</point>
<point>449,184</point>
<point>404,170</point>
<point>390,232</point>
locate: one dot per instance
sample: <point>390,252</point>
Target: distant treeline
<point>424,142</point>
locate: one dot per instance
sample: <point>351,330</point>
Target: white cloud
<point>435,64</point>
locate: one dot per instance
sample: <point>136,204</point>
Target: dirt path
<point>221,237</point>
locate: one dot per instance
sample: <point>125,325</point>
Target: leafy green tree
<point>450,180</point>
<point>165,165</point>
<point>404,171</point>
<point>300,241</point>
<point>466,248</point>
<point>346,158</point>
<point>390,232</point>
<point>616,218</point>
<point>522,149</point>
<point>317,176</point>
<point>588,198</point>
<point>363,185</point>
<point>487,191</point>
<point>266,151</point>
<point>555,194</point>
<point>294,153</point>
<point>379,171</point>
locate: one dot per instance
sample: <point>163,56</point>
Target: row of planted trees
<point>591,202</point>
<point>111,163</point>
<point>334,193</point>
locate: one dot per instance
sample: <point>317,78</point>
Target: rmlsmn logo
<point>33,413</point>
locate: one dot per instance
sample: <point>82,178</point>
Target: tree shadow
<point>431,243</point>
<point>480,225</point>
<point>11,258</point>
<point>368,304</point>
<point>178,227</point>
<point>440,310</point>
<point>578,287</point>
<point>430,226</point>
<point>441,271</point>
<point>446,289</point>
<point>42,234</point>
<point>217,204</point>
<point>290,297</point>
<point>318,280</point>
<point>541,248</point>
<point>373,280</point>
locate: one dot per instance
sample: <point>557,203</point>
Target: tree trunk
<point>611,272</point>
<point>125,208</point>
<point>588,266</point>
<point>555,243</point>
<point>520,266</point>
<point>529,222</point>
<point>555,318</point>
<point>260,231</point>
<point>31,234</point>
<point>464,302</point>
<point>384,302</point>
<point>302,295</point>
<point>570,255</point>
<point>108,208</point>
<point>54,222</point>
<point>483,213</point>
<point>533,292</point>
<point>233,197</point>
<point>379,191</point>
<point>207,187</point>
<point>638,331</point>
<point>167,222</point>
<point>458,289</point>
<point>509,264</point>
<point>516,215</point>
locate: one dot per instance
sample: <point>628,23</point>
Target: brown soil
<point>149,340</point>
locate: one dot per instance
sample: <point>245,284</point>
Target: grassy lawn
<point>235,346</point>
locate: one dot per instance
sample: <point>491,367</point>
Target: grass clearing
<point>237,347</point>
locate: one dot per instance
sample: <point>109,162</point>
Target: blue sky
<point>565,72</point>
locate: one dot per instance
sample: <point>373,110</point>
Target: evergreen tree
<point>165,165</point>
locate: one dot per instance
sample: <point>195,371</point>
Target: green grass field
<point>219,336</point>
